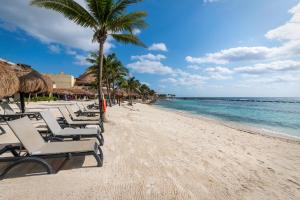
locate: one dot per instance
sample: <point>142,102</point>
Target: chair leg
<point>37,160</point>
<point>100,138</point>
<point>98,158</point>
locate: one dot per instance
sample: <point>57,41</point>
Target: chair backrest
<point>27,134</point>
<point>7,108</point>
<point>18,106</point>
<point>11,99</point>
<point>85,107</point>
<point>70,110</point>
<point>65,114</point>
<point>79,106</point>
<point>51,122</point>
<point>1,111</point>
<point>82,106</point>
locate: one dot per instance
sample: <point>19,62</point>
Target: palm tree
<point>144,91</point>
<point>113,69</point>
<point>133,86</point>
<point>105,18</point>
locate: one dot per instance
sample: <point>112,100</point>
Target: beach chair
<point>83,108</point>
<point>10,114</point>
<point>84,111</point>
<point>75,134</point>
<point>80,118</point>
<point>37,150</point>
<point>81,124</point>
<point>2,130</point>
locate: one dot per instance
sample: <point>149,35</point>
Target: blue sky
<point>196,47</point>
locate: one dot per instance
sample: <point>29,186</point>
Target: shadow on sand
<point>31,169</point>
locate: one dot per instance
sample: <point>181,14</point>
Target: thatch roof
<point>72,91</point>
<point>31,81</point>
<point>121,93</point>
<point>86,78</point>
<point>9,82</point>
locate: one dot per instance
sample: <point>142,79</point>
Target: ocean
<point>277,115</point>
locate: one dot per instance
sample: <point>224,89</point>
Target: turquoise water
<point>280,115</point>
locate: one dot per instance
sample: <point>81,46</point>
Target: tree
<point>105,18</point>
<point>133,86</point>
<point>144,91</point>
<point>113,69</point>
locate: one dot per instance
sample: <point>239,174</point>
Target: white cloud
<point>290,30</point>
<point>47,26</point>
<point>219,73</point>
<point>278,79</point>
<point>136,31</point>
<point>150,67</point>
<point>194,67</point>
<point>277,66</point>
<point>149,56</point>
<point>219,70</point>
<point>210,1</point>
<point>231,55</point>
<point>81,60</point>
<point>290,48</point>
<point>185,79</point>
<point>158,47</point>
<point>54,48</point>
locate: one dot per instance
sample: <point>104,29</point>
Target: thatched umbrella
<point>121,93</point>
<point>34,82</point>
<point>73,91</point>
<point>86,79</point>
<point>31,81</point>
<point>9,82</point>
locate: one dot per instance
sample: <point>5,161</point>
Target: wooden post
<point>22,101</point>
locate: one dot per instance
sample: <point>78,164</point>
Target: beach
<point>154,153</point>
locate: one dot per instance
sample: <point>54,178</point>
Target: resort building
<point>62,80</point>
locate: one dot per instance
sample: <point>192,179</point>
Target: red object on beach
<point>104,105</point>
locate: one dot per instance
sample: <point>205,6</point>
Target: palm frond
<point>96,7</point>
<point>128,22</point>
<point>128,39</point>
<point>70,9</point>
<point>120,6</point>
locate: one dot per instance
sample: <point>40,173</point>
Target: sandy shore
<point>151,153</point>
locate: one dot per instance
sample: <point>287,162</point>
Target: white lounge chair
<point>82,124</point>
<point>57,131</point>
<point>37,150</point>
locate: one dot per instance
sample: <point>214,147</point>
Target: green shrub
<point>41,98</point>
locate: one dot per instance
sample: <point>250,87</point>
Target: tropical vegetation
<point>116,77</point>
<point>107,18</point>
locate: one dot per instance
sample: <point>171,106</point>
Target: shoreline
<point>237,126</point>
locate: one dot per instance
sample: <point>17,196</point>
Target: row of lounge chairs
<point>64,138</point>
<point>8,112</point>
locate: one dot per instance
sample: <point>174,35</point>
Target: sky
<point>205,48</point>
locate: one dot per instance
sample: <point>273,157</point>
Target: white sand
<point>152,153</point>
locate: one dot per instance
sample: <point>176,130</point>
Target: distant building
<point>62,80</point>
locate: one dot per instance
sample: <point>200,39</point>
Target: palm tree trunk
<point>108,93</point>
<point>113,92</point>
<point>22,102</point>
<point>100,92</point>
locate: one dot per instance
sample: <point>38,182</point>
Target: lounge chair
<point>80,118</point>
<point>2,130</point>
<point>10,114</point>
<point>84,109</point>
<point>37,150</point>
<point>73,133</point>
<point>81,124</point>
